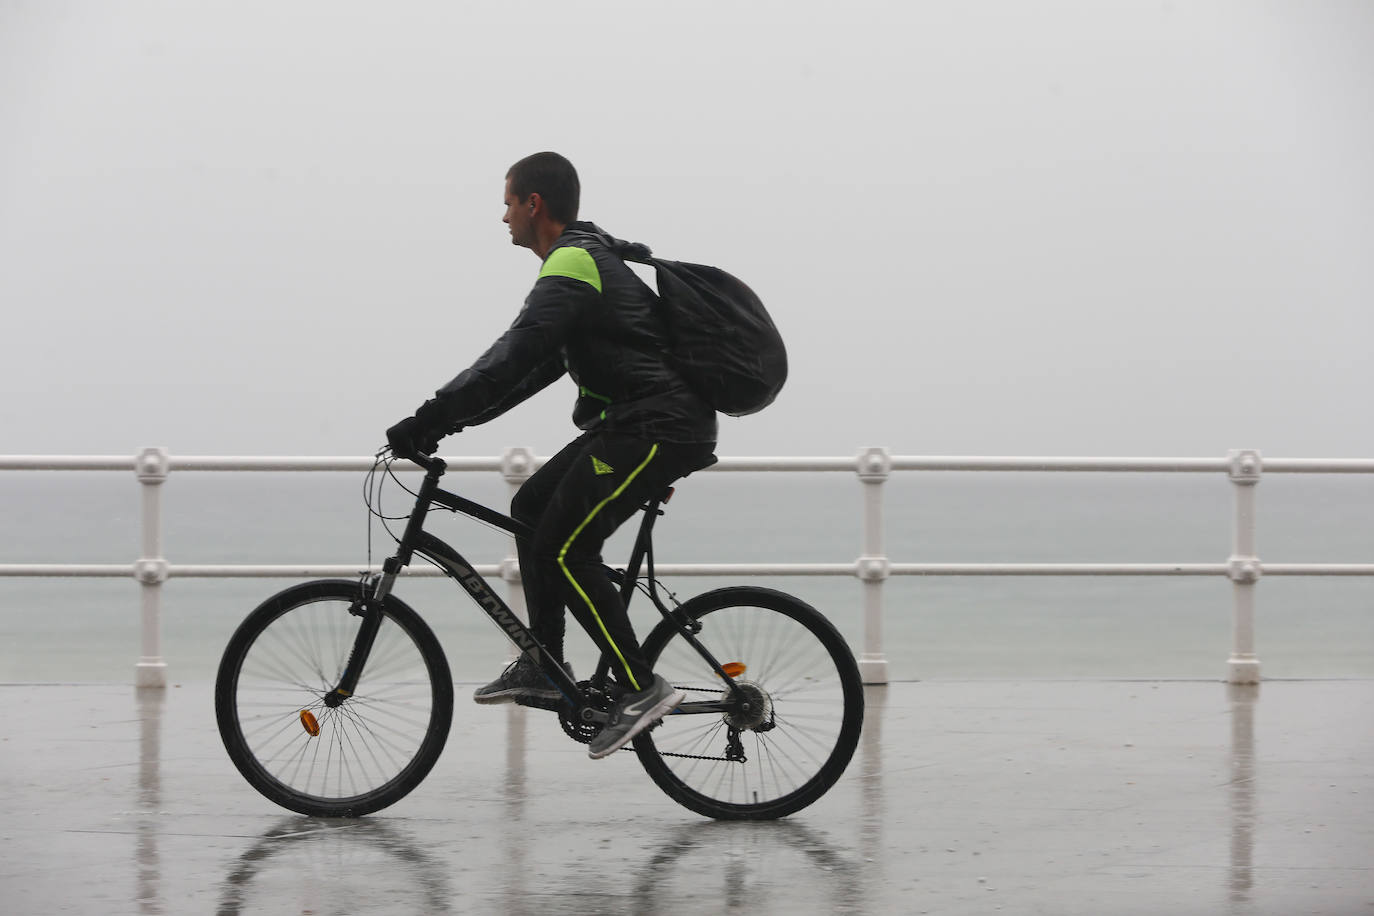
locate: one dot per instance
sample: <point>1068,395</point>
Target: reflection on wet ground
<point>965,797</point>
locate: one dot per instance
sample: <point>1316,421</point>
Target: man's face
<point>519,217</point>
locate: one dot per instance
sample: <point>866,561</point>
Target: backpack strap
<point>626,251</point>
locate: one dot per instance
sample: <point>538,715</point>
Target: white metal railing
<point>873,466</point>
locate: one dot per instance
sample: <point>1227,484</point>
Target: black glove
<point>421,433</point>
<point>412,437</point>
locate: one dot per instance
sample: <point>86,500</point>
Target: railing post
<point>1244,568</point>
<point>873,568</point>
<point>517,464</point>
<point>152,467</point>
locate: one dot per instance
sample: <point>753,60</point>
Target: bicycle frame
<point>416,540</point>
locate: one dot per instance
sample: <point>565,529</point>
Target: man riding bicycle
<point>590,316</point>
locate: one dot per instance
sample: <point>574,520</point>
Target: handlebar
<point>431,464</point>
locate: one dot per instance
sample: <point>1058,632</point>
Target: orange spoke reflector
<point>310,723</point>
<point>734,669</point>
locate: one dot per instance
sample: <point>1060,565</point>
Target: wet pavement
<point>1041,797</point>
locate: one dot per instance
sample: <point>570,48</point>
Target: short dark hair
<point>553,178</point>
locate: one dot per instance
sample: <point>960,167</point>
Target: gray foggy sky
<point>1000,227</point>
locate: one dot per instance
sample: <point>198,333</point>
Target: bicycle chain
<point>700,756</point>
<point>696,757</point>
<point>665,753</point>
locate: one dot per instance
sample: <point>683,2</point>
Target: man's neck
<point>545,235</point>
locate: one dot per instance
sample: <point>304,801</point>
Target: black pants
<point>573,503</point>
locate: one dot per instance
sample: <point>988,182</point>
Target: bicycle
<point>334,698</point>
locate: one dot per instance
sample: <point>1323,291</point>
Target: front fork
<point>372,594</point>
<point>373,590</point>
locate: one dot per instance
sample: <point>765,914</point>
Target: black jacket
<point>590,316</point>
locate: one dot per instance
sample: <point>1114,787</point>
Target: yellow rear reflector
<point>310,723</point>
<point>733,669</point>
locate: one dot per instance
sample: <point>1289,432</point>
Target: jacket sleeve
<point>541,377</point>
<point>527,358</point>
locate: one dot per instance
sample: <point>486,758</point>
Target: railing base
<point>873,669</point>
<point>1241,670</point>
<point>150,673</point>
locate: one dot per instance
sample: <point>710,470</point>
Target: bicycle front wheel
<point>796,720</point>
<point>347,760</point>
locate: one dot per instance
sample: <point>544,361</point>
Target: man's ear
<point>534,201</point>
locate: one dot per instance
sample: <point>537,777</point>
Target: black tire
<point>372,749</point>
<point>808,699</point>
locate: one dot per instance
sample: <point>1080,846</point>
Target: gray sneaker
<point>523,683</point>
<point>634,713</point>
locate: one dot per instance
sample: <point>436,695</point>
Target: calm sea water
<point>88,629</point>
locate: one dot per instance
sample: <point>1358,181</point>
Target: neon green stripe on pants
<point>562,554</point>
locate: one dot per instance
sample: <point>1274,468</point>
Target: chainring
<point>574,726</point>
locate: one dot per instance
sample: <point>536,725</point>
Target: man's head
<point>542,194</point>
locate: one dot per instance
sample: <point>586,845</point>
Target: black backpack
<point>722,340</point>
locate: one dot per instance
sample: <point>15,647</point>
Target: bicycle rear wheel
<point>346,761</point>
<point>805,706</point>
